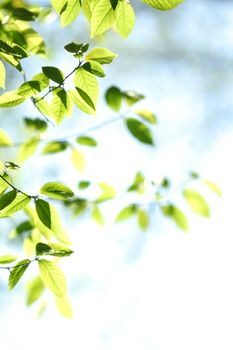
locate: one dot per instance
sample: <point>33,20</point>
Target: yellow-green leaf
<point>27,148</point>
<point>163,5</point>
<point>197,202</point>
<point>5,140</point>
<point>52,277</point>
<point>17,272</point>
<point>2,75</point>
<point>11,99</point>
<point>101,55</point>
<point>78,160</point>
<point>103,17</point>
<point>125,18</point>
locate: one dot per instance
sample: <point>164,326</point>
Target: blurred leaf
<point>132,97</point>
<point>126,213</point>
<point>147,115</point>
<point>143,219</point>
<point>78,160</point>
<point>213,187</point>
<point>163,5</point>
<point>55,147</point>
<point>7,259</point>
<point>35,289</point>
<point>28,148</point>
<point>64,307</point>
<point>2,75</point>
<point>108,192</point>
<point>113,98</point>
<point>36,124</point>
<point>59,105</point>
<point>86,141</point>
<point>11,99</point>
<point>176,215</point>
<point>5,140</point>
<point>140,131</point>
<point>197,202</point>
<point>97,216</point>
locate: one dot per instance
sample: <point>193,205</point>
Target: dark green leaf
<point>82,185</point>
<point>54,74</point>
<point>140,131</point>
<point>43,212</point>
<point>113,98</point>
<point>7,198</point>
<point>36,124</point>
<point>17,272</point>
<point>76,48</point>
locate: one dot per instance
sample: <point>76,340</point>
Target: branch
<point>16,189</point>
<point>9,268</point>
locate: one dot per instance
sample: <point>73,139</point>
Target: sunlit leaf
<point>28,148</point>
<point>18,203</point>
<point>2,75</point>
<point>163,5</point>
<point>147,115</point>
<point>5,140</point>
<point>64,307</point>
<point>100,55</point>
<point>11,99</point>
<point>52,277</point>
<point>7,259</point>
<point>17,272</point>
<point>176,215</point>
<point>126,213</point>
<point>56,190</point>
<point>78,160</point>
<point>103,17</point>
<point>125,18</point>
<point>197,202</point>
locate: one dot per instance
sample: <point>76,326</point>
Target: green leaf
<point>36,124</point>
<point>97,216</point>
<point>53,73</point>
<point>140,131</point>
<point>28,148</point>
<point>108,192</point>
<point>18,203</point>
<point>82,101</point>
<point>147,115</point>
<point>17,272</point>
<point>103,17</point>
<point>70,12</point>
<point>3,184</point>
<point>114,3</point>
<point>5,140</point>
<point>86,82</point>
<point>43,212</point>
<point>113,97</point>
<point>86,7</point>
<point>132,97</point>
<point>76,48</point>
<point>7,259</point>
<point>23,14</point>
<point>213,187</point>
<point>55,147</point>
<point>64,307</point>
<point>101,55</point>
<point>82,185</point>
<point>126,213</point>
<point>86,141</point>
<point>35,289</point>
<point>197,202</point>
<point>143,219</point>
<point>52,249</point>
<point>59,105</point>
<point>2,75</point>
<point>138,183</point>
<point>11,165</point>
<point>52,277</point>
<point>7,198</point>
<point>11,99</point>
<point>95,68</point>
<point>176,215</point>
<point>125,18</point>
<point>56,190</point>
<point>43,106</point>
<point>163,5</point>
<point>78,160</point>
<point>32,87</point>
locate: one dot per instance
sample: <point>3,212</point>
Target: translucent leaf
<point>11,99</point>
<point>197,202</point>
<point>163,4</point>
<point>18,204</point>
<point>126,213</point>
<point>108,192</point>
<point>2,75</point>
<point>103,17</point>
<point>7,259</point>
<point>147,115</point>
<point>86,141</point>
<point>213,187</point>
<point>97,216</point>
<point>113,97</point>
<point>32,87</point>
<point>5,140</point>
<point>82,102</point>
<point>143,219</point>
<point>64,307</point>
<point>59,105</point>
<point>28,148</point>
<point>53,73</point>
<point>3,184</point>
<point>140,131</point>
<point>78,160</point>
<point>55,147</point>
<point>125,18</point>
<point>52,277</point>
<point>35,289</point>
<point>86,7</point>
<point>43,106</point>
<point>101,55</point>
<point>56,190</point>
<point>7,198</point>
<point>176,215</point>
<point>17,272</point>
<point>70,12</point>
<point>86,82</point>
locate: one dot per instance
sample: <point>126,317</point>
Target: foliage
<point>37,219</point>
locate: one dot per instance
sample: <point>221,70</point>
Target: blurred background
<point>162,289</point>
